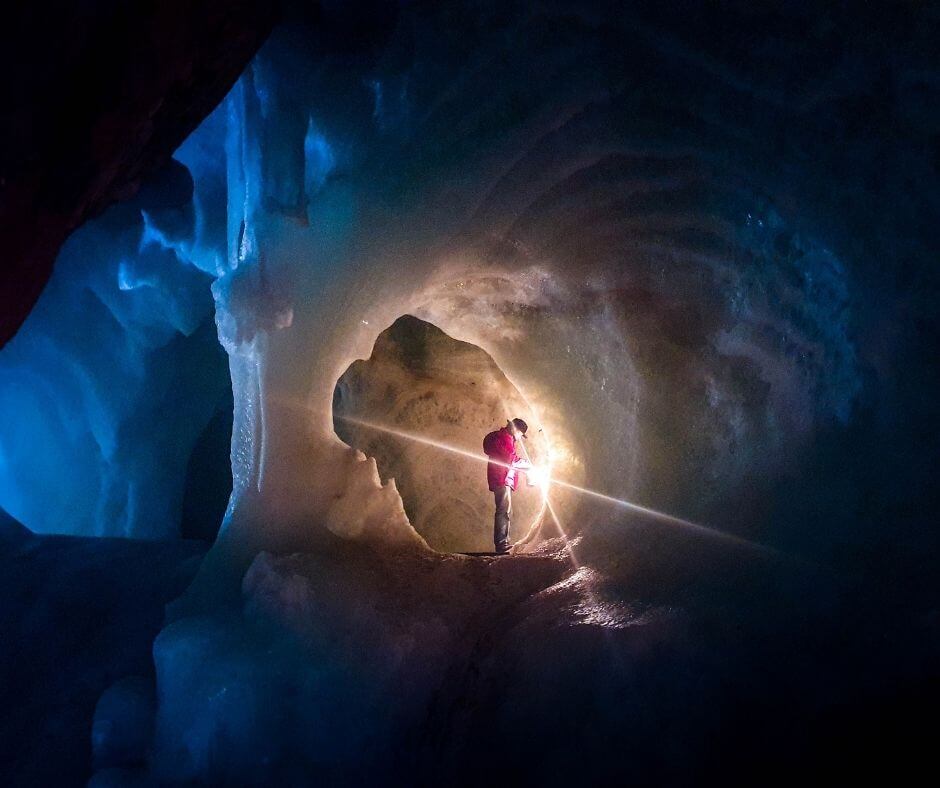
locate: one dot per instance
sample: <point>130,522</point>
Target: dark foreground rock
<point>76,616</point>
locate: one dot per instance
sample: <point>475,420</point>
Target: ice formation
<point>598,258</point>
<point>606,219</point>
<point>441,396</point>
<point>676,336</point>
<point>626,280</point>
<point>76,700</point>
<point>120,338</point>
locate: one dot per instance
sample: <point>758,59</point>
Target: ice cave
<point>274,270</point>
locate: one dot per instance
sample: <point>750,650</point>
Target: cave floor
<point>681,653</point>
<point>479,652</point>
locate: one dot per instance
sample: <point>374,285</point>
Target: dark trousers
<point>501,521</point>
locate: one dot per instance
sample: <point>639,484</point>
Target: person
<point>502,472</point>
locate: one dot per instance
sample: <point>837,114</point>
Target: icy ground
<point>407,667</point>
<point>351,666</point>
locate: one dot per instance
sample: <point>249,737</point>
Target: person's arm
<point>517,462</point>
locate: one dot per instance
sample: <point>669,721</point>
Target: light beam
<point>633,507</point>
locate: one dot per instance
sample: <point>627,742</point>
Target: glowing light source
<point>538,477</point>
<point>548,480</point>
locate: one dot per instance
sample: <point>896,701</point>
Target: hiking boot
<point>505,549</point>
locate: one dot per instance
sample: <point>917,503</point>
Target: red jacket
<point>501,447</point>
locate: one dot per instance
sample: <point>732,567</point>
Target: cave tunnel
<point>273,270</point>
<point>423,383</point>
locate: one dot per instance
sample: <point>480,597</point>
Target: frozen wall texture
<point>607,223</point>
<point>98,96</point>
<point>114,375</point>
<point>430,387</point>
<point>670,233</point>
<point>699,241</point>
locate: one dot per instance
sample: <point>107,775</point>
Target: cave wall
<point>652,231</point>
<point>115,374</point>
<point>103,94</point>
<point>430,387</point>
<point>708,268</point>
<point>99,95</point>
<point>700,240</point>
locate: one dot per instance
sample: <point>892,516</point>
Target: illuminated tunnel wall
<point>699,242</point>
<point>682,333</point>
<point>690,298</point>
<point>440,395</point>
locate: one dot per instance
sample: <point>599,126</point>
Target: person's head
<point>517,427</point>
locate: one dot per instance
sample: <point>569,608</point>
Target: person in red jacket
<point>502,474</point>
